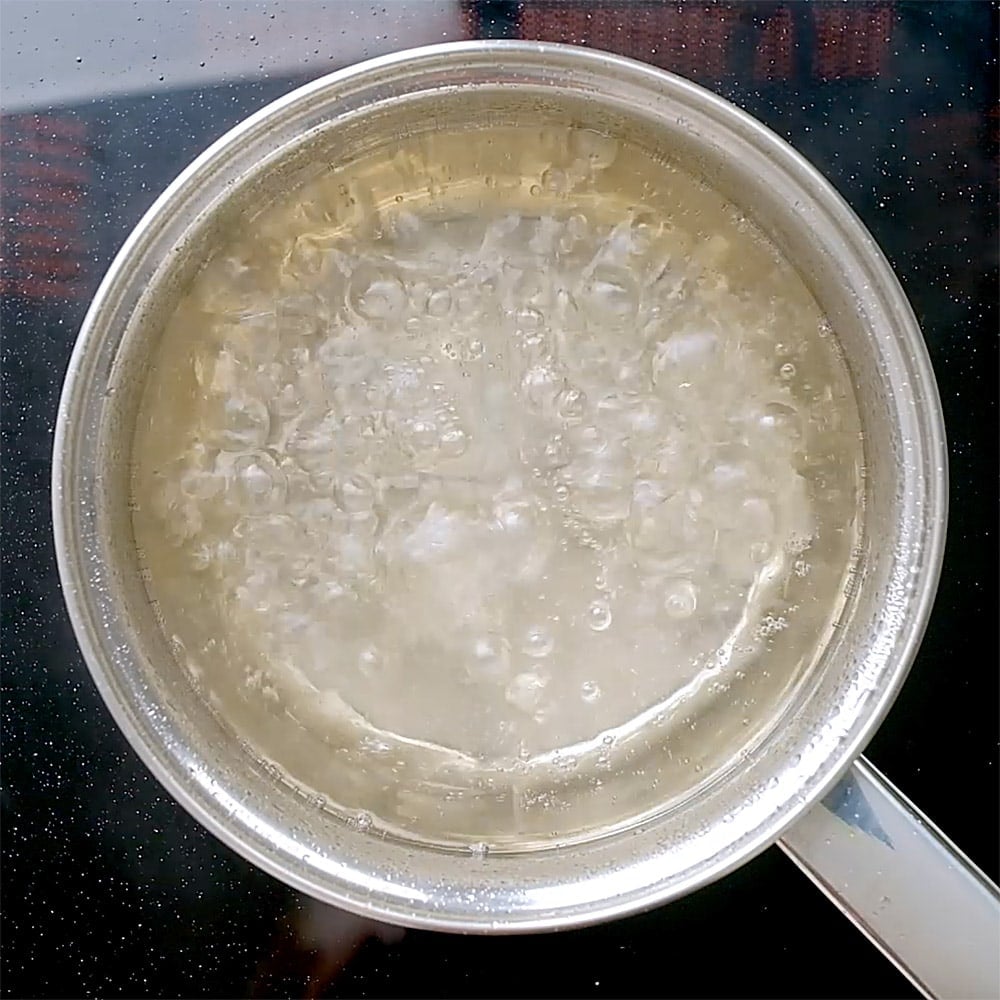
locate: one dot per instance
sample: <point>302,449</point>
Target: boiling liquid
<point>487,452</point>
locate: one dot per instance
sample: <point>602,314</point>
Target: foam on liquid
<point>499,466</point>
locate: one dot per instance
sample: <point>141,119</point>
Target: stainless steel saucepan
<point>800,783</point>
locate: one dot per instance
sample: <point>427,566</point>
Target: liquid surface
<point>502,463</point>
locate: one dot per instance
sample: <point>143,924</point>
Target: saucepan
<point>794,777</point>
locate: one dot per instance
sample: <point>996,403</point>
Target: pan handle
<point>908,888</point>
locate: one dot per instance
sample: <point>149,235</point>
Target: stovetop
<point>109,887</point>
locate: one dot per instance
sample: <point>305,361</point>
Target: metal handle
<point>908,888</point>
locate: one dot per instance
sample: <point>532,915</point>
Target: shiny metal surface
<point>904,884</point>
<point>818,730</point>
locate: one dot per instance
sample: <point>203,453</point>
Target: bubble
<point>355,494</point>
<point>576,225</point>
<point>382,299</point>
<point>514,516</point>
<point>438,535</point>
<point>597,149</point>
<point>757,517</point>
<point>729,470</point>
<point>419,435</point>
<point>555,181</point>
<point>439,303</point>
<point>598,615</point>
<point>202,556</point>
<point>590,691</point>
<point>570,403</point>
<point>200,484</point>
<point>525,691</point>
<point>363,821</point>
<point>644,231</point>
<point>259,481</point>
<point>535,349</point>
<point>244,424</point>
<point>225,552</point>
<point>375,746</point>
<point>690,348</point>
<point>370,659</point>
<point>299,315</point>
<point>490,656</point>
<point>600,476</point>
<point>633,414</point>
<point>787,370</point>
<point>588,438</point>
<point>780,418</point>
<point>612,293</point>
<point>539,385</point>
<point>407,228</point>
<point>546,455</point>
<point>535,190</point>
<point>680,598</point>
<point>538,642</point>
<point>528,319</point>
<point>561,492</point>
<point>312,443</point>
<point>454,442</point>
<point>474,350</point>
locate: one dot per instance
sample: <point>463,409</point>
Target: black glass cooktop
<point>108,887</point>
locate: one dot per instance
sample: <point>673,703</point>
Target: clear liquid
<point>505,461</point>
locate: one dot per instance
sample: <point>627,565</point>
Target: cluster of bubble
<point>520,465</point>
